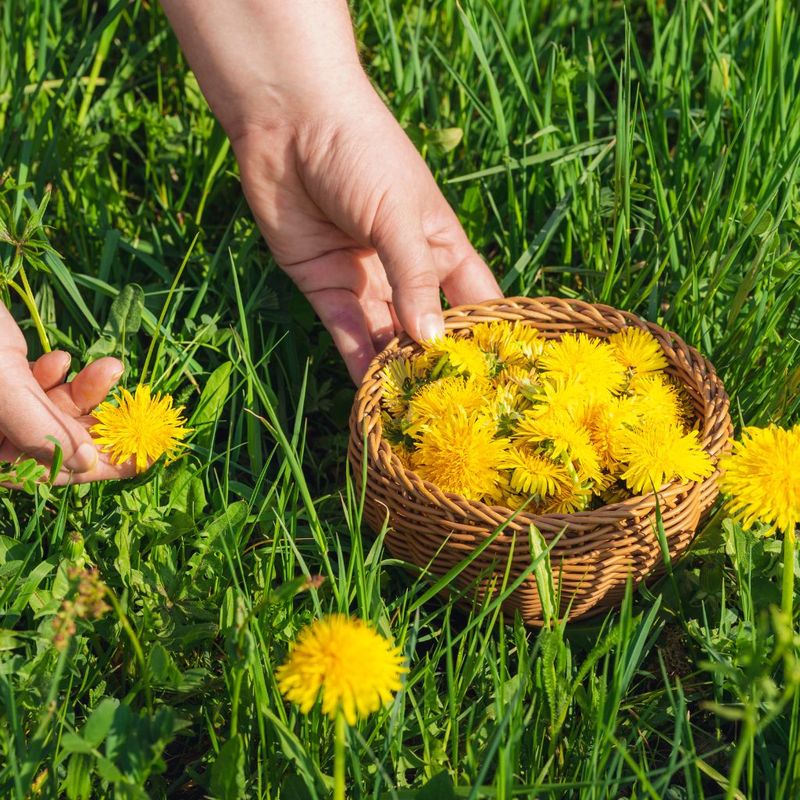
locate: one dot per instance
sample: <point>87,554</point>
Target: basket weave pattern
<point>596,550</point>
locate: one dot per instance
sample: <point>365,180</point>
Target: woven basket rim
<point>634,506</point>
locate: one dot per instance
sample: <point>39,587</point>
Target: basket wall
<point>596,550</point>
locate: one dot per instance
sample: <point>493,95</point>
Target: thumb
<point>407,258</point>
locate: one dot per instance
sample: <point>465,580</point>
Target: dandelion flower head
<point>461,454</point>
<point>143,426</point>
<point>463,355</point>
<point>637,351</point>
<point>761,476</point>
<point>401,378</point>
<point>655,453</point>
<point>437,399</point>
<point>345,661</point>
<point>655,399</point>
<point>535,474</point>
<point>511,343</point>
<point>586,360</point>
<point>561,436</point>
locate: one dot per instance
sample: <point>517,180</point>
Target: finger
<point>396,322</point>
<point>379,322</point>
<point>30,417</point>
<point>103,471</point>
<point>88,388</point>
<point>346,268</point>
<point>341,313</point>
<point>470,281</point>
<point>403,248</point>
<point>11,338</point>
<point>51,368</point>
<point>465,277</point>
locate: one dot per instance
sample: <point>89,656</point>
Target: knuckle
<point>415,278</point>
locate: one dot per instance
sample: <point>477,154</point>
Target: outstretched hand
<point>347,205</point>
<point>352,213</point>
<point>38,405</point>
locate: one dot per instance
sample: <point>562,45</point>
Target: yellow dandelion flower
<point>143,426</point>
<point>637,350</point>
<point>353,667</point>
<point>606,421</point>
<point>490,336</point>
<point>512,343</point>
<point>586,360</point>
<point>564,438</point>
<point>572,498</point>
<point>463,355</point>
<point>534,474</point>
<point>507,399</point>
<point>655,454</point>
<point>439,398</point>
<point>561,395</point>
<point>655,401</point>
<point>525,379</point>
<point>401,377</point>
<point>528,339</point>
<point>761,476</point>
<point>460,454</point>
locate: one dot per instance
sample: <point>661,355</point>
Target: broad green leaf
<point>212,400</point>
<point>125,316</point>
<point>78,783</point>
<point>295,788</point>
<point>75,743</point>
<point>439,787</point>
<point>99,723</point>
<point>227,774</point>
<point>124,319</point>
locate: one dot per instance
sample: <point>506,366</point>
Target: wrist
<point>267,62</point>
<point>295,103</point>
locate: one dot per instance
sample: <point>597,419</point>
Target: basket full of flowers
<point>533,423</point>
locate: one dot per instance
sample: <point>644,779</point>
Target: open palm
<point>38,405</point>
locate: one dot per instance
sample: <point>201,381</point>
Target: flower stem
<point>787,595</point>
<point>742,749</point>
<point>135,643</point>
<point>26,295</point>
<point>338,756</point>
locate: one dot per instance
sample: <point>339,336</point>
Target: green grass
<point>644,155</point>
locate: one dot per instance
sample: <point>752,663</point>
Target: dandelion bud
<point>73,547</point>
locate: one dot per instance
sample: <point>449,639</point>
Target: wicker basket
<point>596,550</point>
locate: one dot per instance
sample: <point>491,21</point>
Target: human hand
<point>346,203</point>
<point>353,215</point>
<point>37,403</point>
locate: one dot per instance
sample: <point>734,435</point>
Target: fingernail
<point>117,375</point>
<point>431,326</point>
<point>84,458</point>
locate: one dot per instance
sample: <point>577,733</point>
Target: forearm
<point>259,61</point>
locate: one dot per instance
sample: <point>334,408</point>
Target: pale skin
<point>38,405</point>
<point>345,202</point>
